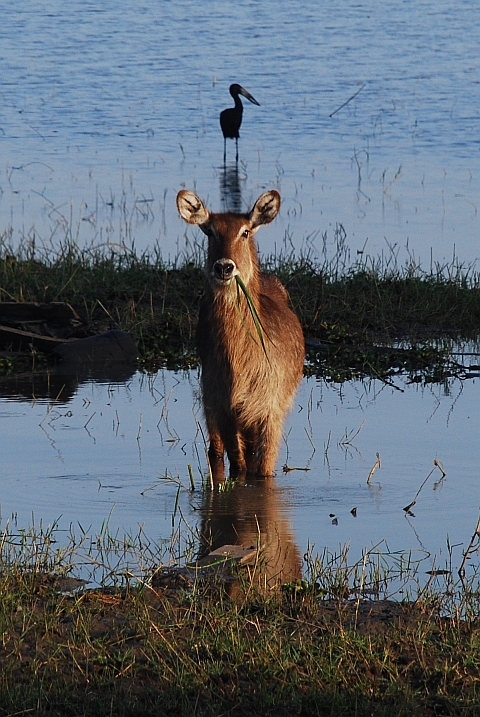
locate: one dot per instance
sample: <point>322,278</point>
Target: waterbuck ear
<point>191,208</point>
<point>266,208</point>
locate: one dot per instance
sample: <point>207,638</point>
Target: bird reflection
<point>231,188</point>
<point>231,118</point>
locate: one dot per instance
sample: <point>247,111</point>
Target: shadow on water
<point>110,356</point>
<point>231,188</point>
<point>252,514</point>
<point>60,384</point>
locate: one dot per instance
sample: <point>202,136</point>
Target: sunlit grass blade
<point>253,311</point>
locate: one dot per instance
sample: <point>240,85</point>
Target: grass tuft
<point>371,318</point>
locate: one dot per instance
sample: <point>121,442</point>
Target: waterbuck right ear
<point>191,208</point>
<point>265,209</point>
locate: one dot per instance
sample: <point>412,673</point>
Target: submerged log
<point>41,325</point>
<point>23,312</point>
<point>23,340</point>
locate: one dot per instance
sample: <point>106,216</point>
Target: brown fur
<point>247,389</point>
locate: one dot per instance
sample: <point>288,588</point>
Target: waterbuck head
<point>231,246</point>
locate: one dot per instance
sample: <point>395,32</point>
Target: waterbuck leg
<point>235,446</point>
<point>251,444</point>
<point>215,458</point>
<point>224,436</point>
<point>268,445</point>
<point>216,449</point>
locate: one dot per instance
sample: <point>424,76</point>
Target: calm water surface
<point>106,112</point>
<point>95,454</point>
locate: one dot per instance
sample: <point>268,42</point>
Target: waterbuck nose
<point>224,269</point>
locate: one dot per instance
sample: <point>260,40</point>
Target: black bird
<point>231,118</point>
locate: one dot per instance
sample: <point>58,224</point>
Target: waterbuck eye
<point>246,233</point>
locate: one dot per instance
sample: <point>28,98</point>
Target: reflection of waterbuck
<point>253,515</point>
<point>249,340</point>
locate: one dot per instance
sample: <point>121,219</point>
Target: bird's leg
<point>224,151</point>
<point>236,141</point>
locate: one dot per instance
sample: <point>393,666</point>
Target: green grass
<point>374,318</point>
<point>142,647</point>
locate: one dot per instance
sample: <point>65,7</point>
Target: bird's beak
<point>246,93</point>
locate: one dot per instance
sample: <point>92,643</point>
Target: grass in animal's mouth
<point>252,310</point>
<point>362,320</point>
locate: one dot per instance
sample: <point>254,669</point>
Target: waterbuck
<point>250,342</point>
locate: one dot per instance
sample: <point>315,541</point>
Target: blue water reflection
<point>105,451</point>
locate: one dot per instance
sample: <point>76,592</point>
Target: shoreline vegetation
<point>371,318</point>
<point>155,641</point>
<point>345,640</point>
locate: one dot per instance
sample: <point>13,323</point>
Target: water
<point>105,114</point>
<point>100,452</point>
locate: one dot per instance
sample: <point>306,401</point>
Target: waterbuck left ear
<point>191,208</point>
<point>266,208</point>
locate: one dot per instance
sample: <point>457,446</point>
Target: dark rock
<point>110,347</point>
